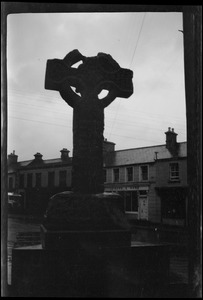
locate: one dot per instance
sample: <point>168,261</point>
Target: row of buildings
<point>152,180</point>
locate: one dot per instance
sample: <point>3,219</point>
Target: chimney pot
<point>12,158</point>
<point>171,142</point>
<point>108,146</point>
<point>64,154</point>
<point>38,156</point>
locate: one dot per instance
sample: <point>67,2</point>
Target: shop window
<point>116,175</point>
<point>174,172</point>
<point>130,200</point>
<point>134,201</point>
<point>129,172</point>
<point>144,173</point>
<point>173,208</point>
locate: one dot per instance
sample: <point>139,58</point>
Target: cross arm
<point>60,78</point>
<point>120,85</point>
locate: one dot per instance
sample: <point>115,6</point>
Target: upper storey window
<point>144,173</point>
<point>174,172</point>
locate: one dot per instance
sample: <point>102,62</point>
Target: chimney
<point>171,142</point>
<point>64,154</point>
<point>12,158</point>
<point>108,146</point>
<point>38,157</point>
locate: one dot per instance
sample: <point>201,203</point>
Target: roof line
<point>24,161</point>
<point>145,147</point>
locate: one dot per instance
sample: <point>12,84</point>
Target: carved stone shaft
<point>89,79</point>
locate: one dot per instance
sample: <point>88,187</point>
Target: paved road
<point>19,224</point>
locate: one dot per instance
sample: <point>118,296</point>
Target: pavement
<point>19,224</point>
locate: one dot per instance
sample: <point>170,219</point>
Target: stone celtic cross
<point>92,76</point>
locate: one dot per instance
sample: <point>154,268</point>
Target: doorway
<point>143,208</point>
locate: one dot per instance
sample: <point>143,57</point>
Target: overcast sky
<point>149,44</point>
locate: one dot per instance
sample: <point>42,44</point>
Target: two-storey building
<point>152,180</point>
<point>38,179</point>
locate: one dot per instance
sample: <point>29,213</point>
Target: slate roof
<point>32,163</point>
<point>141,155</point>
<point>45,162</point>
<point>24,163</point>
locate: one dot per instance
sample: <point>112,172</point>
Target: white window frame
<point>114,175</point>
<point>62,183</point>
<point>172,177</point>
<point>22,182</point>
<point>32,181</point>
<point>12,185</point>
<point>140,172</point>
<point>38,184</point>
<point>132,211</point>
<point>105,179</point>
<point>126,174</point>
<point>48,182</point>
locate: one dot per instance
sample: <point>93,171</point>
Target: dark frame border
<point>192,27</point>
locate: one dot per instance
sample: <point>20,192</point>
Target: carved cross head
<point>93,75</point>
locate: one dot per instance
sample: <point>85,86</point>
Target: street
<point>19,224</point>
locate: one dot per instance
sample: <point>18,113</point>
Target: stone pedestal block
<point>133,271</point>
<point>82,239</point>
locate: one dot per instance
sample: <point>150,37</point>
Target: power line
<point>133,125</point>
<point>130,123</point>
<point>44,117</point>
<point>130,36</point>
<point>39,107</point>
<point>33,96</point>
<point>36,121</point>
<point>130,66</point>
<point>147,115</point>
<point>24,119</point>
<point>143,114</point>
<point>135,138</point>
<point>138,39</point>
<point>66,126</point>
<point>151,129</point>
<point>138,114</point>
